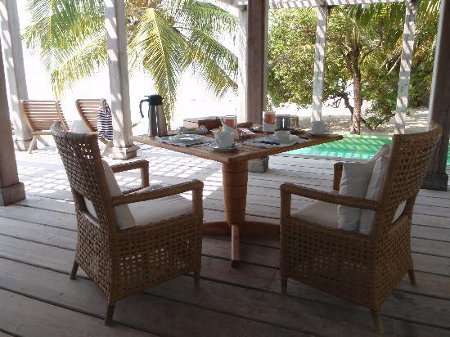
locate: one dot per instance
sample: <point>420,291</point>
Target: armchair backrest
<point>409,161</point>
<point>88,110</point>
<point>81,157</point>
<point>40,115</point>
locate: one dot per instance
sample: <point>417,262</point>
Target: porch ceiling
<point>276,4</point>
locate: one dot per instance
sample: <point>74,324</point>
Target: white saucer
<point>292,139</point>
<point>217,148</point>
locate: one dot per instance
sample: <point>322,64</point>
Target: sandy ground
<point>416,121</point>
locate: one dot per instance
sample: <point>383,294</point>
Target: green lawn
<point>351,147</point>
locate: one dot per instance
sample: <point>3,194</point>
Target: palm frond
<point>165,37</point>
<point>159,48</point>
<point>58,23</point>
<point>214,62</point>
<point>207,17</point>
<point>70,65</point>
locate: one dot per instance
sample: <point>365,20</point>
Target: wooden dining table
<point>235,179</point>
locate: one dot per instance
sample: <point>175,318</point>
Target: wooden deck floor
<point>38,237</point>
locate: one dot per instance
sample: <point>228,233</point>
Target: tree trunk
<point>352,62</point>
<point>356,127</point>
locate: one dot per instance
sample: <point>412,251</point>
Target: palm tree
<point>165,37</point>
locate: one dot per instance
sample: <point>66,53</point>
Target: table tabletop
<point>245,152</point>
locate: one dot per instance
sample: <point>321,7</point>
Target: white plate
<point>187,138</point>
<point>292,139</point>
<point>217,148</point>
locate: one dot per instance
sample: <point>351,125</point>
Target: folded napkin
<point>171,140</point>
<point>269,142</point>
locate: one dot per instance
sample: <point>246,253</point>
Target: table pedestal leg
<point>235,177</point>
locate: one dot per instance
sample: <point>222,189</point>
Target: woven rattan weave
<point>360,268</point>
<point>123,262</point>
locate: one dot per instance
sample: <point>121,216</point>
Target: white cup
<point>224,139</point>
<point>318,127</point>
<point>282,135</point>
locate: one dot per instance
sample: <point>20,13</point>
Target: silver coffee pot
<point>157,124</point>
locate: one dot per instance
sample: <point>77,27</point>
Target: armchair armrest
<point>195,186</point>
<point>338,167</point>
<point>141,164</point>
<point>344,200</point>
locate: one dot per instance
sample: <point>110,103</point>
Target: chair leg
<point>73,273</point>
<point>109,314</point>
<point>42,140</point>
<point>283,285</point>
<point>104,140</point>
<point>108,148</point>
<point>377,323</point>
<point>412,277</point>
<point>32,144</point>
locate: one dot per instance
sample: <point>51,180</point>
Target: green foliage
<point>164,39</point>
<point>363,44</point>
<point>291,43</point>
<point>423,62</point>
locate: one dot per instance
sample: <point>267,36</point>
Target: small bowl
<point>282,135</point>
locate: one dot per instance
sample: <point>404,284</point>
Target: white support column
<point>437,178</point>
<point>242,64</point>
<point>118,79</point>
<point>14,70</point>
<point>319,63</point>
<point>409,32</point>
<point>257,59</point>
<point>11,189</point>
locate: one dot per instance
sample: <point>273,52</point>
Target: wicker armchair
<point>360,268</point>
<point>40,115</point>
<point>125,261</point>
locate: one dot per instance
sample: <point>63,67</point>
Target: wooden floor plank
<point>25,316</point>
<point>272,181</point>
<point>430,247</point>
<point>257,277</point>
<point>37,238</point>
<point>217,205</point>
<point>303,315</point>
<point>141,311</point>
<point>429,256</point>
<point>430,233</point>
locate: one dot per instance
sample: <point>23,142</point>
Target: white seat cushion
<point>151,211</point>
<point>143,212</point>
<point>319,212</point>
<point>124,218</point>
